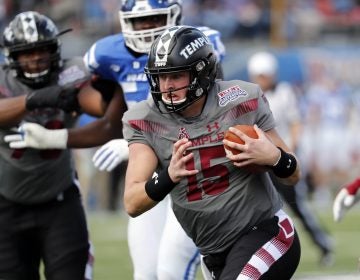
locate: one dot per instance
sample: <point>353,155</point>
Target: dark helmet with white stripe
<point>26,32</point>
<point>178,49</point>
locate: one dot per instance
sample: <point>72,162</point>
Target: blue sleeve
<point>100,57</point>
<point>215,38</point>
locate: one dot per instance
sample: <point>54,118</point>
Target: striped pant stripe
<point>271,251</point>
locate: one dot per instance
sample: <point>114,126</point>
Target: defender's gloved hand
<point>345,199</point>
<point>111,154</point>
<point>54,96</point>
<point>33,135</point>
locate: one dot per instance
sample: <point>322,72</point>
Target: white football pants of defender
<point>159,247</point>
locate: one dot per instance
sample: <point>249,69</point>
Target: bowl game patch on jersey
<point>230,94</point>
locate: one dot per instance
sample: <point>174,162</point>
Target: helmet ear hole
<point>199,92</point>
<point>27,32</point>
<point>200,66</point>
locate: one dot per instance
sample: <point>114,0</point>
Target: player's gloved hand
<point>111,154</point>
<point>56,96</point>
<point>345,199</point>
<point>33,135</point>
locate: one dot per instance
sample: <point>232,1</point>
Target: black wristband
<point>286,165</point>
<point>159,186</point>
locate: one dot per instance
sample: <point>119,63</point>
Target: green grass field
<point>112,262</point>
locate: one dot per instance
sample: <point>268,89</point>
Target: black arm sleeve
<point>105,87</point>
<point>55,97</point>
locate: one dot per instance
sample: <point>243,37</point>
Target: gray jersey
<point>29,175</point>
<point>222,201</point>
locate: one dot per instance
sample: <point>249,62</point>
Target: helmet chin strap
<point>171,102</point>
<point>198,93</point>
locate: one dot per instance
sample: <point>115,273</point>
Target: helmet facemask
<point>45,64</point>
<point>200,81</point>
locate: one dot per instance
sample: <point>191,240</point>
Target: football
<point>247,129</point>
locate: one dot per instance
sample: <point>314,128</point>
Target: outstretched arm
<point>105,128</point>
<point>12,111</point>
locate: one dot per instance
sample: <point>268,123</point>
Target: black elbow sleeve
<point>105,87</point>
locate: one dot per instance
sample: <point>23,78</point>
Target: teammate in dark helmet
<point>27,33</point>
<point>42,217</point>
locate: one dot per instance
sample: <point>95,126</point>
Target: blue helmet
<point>140,40</point>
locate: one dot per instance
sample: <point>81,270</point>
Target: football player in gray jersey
<point>42,218</point>
<point>233,215</point>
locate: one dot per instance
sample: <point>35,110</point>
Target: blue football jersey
<point>111,59</point>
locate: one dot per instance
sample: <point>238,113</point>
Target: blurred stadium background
<point>317,43</point>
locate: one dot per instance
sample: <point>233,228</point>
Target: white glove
<point>345,199</point>
<point>33,135</point>
<point>111,154</point>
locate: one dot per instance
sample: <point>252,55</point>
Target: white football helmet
<point>140,40</point>
<point>262,63</point>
